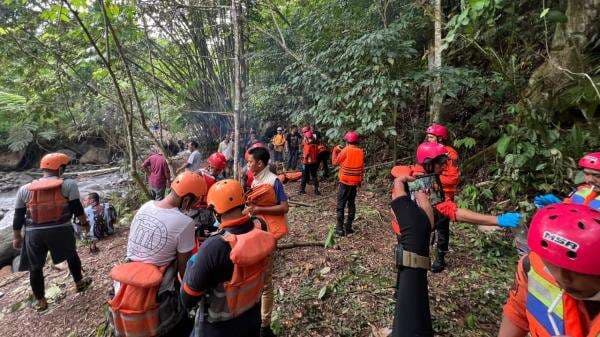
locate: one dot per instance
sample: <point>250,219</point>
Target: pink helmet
<point>428,151</point>
<point>351,137</point>
<point>567,235</point>
<point>438,130</point>
<point>308,134</point>
<point>217,160</point>
<point>590,161</point>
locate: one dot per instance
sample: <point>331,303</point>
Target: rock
<point>69,153</point>
<point>95,155</point>
<point>11,160</point>
<point>7,252</point>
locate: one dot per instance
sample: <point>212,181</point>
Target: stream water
<point>102,184</point>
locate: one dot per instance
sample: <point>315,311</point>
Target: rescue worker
<point>351,160</point>
<point>172,231</point>
<point>323,154</point>
<point>431,159</point>
<point>268,201</point>
<point>278,141</point>
<point>412,315</point>
<point>292,142</point>
<point>248,176</point>
<point>226,275</point>
<point>587,193</point>
<point>45,207</point>
<point>309,160</point>
<point>216,164</point>
<point>449,177</point>
<point>556,291</point>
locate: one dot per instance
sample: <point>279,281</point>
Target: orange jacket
<point>352,164</point>
<point>450,177</point>
<point>309,153</point>
<point>532,294</point>
<point>264,195</point>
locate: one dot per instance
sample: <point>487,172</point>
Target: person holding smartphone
<point>431,159</point>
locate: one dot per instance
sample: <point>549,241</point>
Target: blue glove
<point>545,200</point>
<point>509,220</point>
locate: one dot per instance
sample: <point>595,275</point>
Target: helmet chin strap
<point>594,298</point>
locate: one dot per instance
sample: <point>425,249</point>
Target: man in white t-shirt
<point>226,148</point>
<point>160,232</point>
<point>194,160</point>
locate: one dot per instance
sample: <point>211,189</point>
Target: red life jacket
<point>250,255</point>
<point>47,206</point>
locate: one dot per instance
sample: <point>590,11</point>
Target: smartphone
<point>430,184</point>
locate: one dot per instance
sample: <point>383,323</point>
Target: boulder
<point>95,155</point>
<point>7,252</point>
<point>11,160</point>
<point>69,153</point>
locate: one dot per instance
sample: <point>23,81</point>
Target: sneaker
<point>83,284</point>
<point>265,331</point>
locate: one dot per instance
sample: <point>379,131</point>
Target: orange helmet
<point>225,195</point>
<point>189,182</point>
<point>53,161</point>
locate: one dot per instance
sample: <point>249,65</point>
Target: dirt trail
<point>341,291</point>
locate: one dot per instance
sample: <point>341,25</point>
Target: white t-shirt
<point>157,234</point>
<point>194,160</point>
<point>226,149</point>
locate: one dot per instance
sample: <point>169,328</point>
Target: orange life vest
<point>47,206</point>
<point>352,167</point>
<point>264,195</point>
<point>309,153</point>
<point>286,177</point>
<point>569,317</point>
<point>134,309</point>
<point>249,254</point>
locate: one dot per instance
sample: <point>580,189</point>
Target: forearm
<point>19,219</point>
<point>280,209</point>
<point>509,329</point>
<point>465,215</point>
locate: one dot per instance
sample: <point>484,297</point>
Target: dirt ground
<point>346,290</point>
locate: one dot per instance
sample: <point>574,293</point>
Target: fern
<point>19,138</point>
<point>11,103</point>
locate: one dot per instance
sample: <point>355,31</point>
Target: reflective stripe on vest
<point>541,295</point>
<point>47,207</point>
<point>351,169</point>
<point>586,196</point>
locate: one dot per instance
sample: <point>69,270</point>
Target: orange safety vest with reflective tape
<point>585,195</point>
<point>249,254</point>
<point>47,206</point>
<point>352,164</point>
<point>568,317</point>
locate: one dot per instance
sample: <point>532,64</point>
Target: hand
<point>545,200</point>
<point>249,210</point>
<point>17,241</point>
<point>398,190</point>
<point>509,220</point>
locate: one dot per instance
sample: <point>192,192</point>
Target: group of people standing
<point>207,245</point>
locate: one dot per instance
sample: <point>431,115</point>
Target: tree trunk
<point>435,63</point>
<point>237,85</point>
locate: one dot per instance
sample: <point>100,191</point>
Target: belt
<point>409,259</point>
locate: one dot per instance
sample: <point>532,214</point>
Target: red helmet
<point>429,151</point>
<point>438,130</point>
<point>217,160</point>
<point>567,235</point>
<point>351,137</point>
<point>308,134</point>
<point>590,161</point>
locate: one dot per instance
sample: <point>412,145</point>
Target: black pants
<point>346,196</point>
<point>412,315</point>
<point>293,160</point>
<point>60,242</point>
<point>442,233</point>
<point>245,325</point>
<point>310,170</point>
<point>323,158</point>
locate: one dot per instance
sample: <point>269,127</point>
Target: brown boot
<point>40,305</point>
